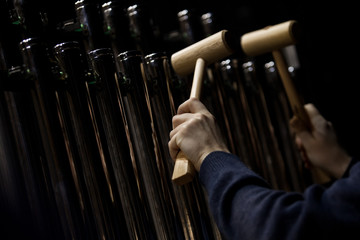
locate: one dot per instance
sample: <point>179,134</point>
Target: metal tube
<point>87,155</point>
<point>107,99</point>
<point>274,168</point>
<point>143,139</point>
<point>55,170</point>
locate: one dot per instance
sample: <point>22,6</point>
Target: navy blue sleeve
<point>245,207</point>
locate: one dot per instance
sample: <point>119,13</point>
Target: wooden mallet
<point>272,39</point>
<point>195,58</point>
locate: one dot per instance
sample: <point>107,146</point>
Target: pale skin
<point>320,146</point>
<point>197,134</point>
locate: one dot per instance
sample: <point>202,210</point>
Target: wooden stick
<point>297,106</point>
<point>271,39</point>
<point>184,170</point>
<point>198,78</point>
<point>296,103</point>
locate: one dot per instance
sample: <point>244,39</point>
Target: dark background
<point>328,51</point>
<point>327,48</point>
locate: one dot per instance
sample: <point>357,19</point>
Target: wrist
<point>339,168</point>
<point>206,153</point>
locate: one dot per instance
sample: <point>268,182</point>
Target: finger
<point>191,105</point>
<point>173,132</point>
<point>173,147</point>
<point>311,110</point>
<point>180,119</point>
<point>317,120</point>
<point>314,113</point>
<point>298,143</point>
<point>177,129</point>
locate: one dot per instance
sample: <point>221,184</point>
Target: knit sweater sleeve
<point>245,207</point>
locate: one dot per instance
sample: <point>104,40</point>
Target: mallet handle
<point>297,106</point>
<point>184,170</point>
<point>198,78</point>
<point>272,39</point>
<point>296,103</point>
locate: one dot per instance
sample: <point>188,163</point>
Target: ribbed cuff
<point>218,163</point>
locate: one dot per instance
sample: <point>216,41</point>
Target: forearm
<point>245,207</point>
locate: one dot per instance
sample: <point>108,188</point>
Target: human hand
<point>320,147</point>
<point>195,132</point>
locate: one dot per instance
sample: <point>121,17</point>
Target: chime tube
<point>273,164</point>
<point>279,109</point>
<point>88,15</point>
<point>142,138</point>
<point>117,27</point>
<point>89,158</point>
<point>36,61</point>
<point>107,98</point>
<point>238,111</point>
<point>142,30</point>
<point>24,199</point>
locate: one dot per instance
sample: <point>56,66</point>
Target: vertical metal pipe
<point>280,112</point>
<point>42,93</point>
<point>107,98</point>
<point>209,24</point>
<point>89,16</point>
<point>273,161</point>
<point>117,28</point>
<point>135,100</point>
<point>31,16</point>
<point>142,29</point>
<point>161,110</point>
<point>87,156</point>
<point>190,26</point>
<point>241,121</point>
<point>22,199</point>
<point>22,215</point>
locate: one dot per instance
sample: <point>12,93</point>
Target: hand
<point>195,132</point>
<point>320,148</point>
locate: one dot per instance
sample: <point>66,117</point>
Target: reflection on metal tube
<point>274,169</point>
<point>103,63</point>
<point>142,29</point>
<point>241,121</point>
<point>117,27</point>
<point>42,94</point>
<point>280,111</point>
<point>143,139</point>
<point>87,166</point>
<point>89,16</point>
<point>22,198</point>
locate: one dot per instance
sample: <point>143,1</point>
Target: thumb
<point>296,125</point>
<point>300,129</point>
